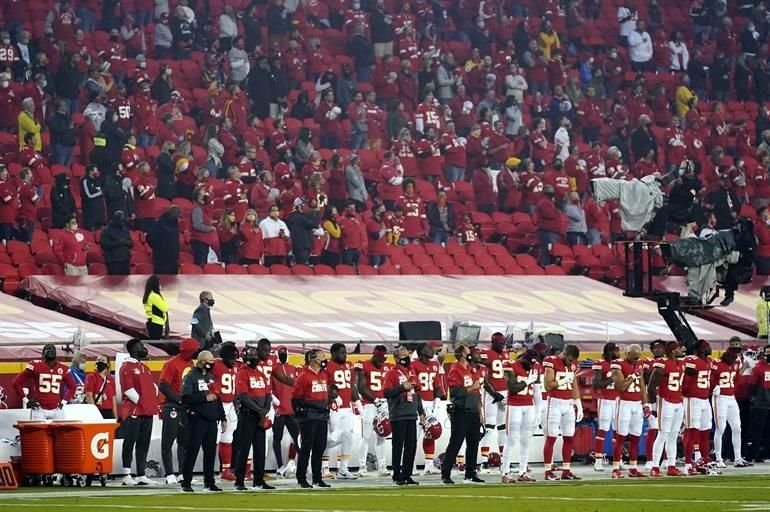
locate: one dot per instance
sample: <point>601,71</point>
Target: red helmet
<point>493,460</point>
<point>382,426</point>
<point>433,428</point>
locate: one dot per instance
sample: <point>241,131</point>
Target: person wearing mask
<point>549,224</point>
<point>203,235</point>
<point>202,326</point>
<point>404,407</point>
<point>9,203</point>
<point>91,197</point>
<point>116,243</point>
<point>139,403</point>
<point>172,410</point>
<point>603,384</point>
<point>165,171</point>
<point>665,383</point>
<point>577,229</point>
<point>465,415</point>
<point>41,383</point>
<point>77,371</point>
<point>355,184</point>
<point>71,249</point>
<point>62,202</point>
<point>155,309</point>
<point>225,370</point>
<point>28,124</point>
<point>441,219</point>
<point>204,412</point>
<point>724,203</point>
<point>100,389</point>
<point>725,374</point>
<point>275,233</point>
<point>254,392</point>
<point>760,406</point>
<point>163,238</point>
<point>369,382</point>
<point>302,225</point>
<point>284,414</point>
<point>310,400</point>
<point>382,29</point>
<point>352,235</point>
<point>63,137</point>
<point>640,48</point>
<point>117,193</point>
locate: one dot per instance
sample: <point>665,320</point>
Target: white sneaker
<point>648,466</point>
<point>599,465</point>
<point>383,471</point>
<point>143,480</point>
<point>363,471</point>
<point>346,475</point>
<point>721,464</point>
<point>282,471</point>
<point>430,469</point>
<point>171,480</point>
<point>291,468</point>
<point>129,481</point>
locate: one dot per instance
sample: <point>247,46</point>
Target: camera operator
<point>465,414</point>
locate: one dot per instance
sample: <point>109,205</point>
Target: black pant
<point>249,435</point>
<point>278,425</point>
<point>759,444</point>
<point>107,414</point>
<point>465,427</point>
<point>118,268</point>
<point>351,257</point>
<point>404,444</point>
<point>165,267</point>
<point>174,429</point>
<point>270,260</point>
<point>200,252</point>
<point>136,431</point>
<point>314,434</point>
<point>744,406</point>
<point>201,433</point>
<point>154,331</point>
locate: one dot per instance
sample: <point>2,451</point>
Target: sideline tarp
<point>369,308</point>
<point>23,322</point>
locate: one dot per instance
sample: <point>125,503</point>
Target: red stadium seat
<point>431,270</point>
<point>410,270</point>
<point>190,268</point>
<point>421,260</point>
<point>258,270</point>
<point>97,269</point>
<point>388,270</point>
<point>301,270</point>
<point>234,268</point>
<point>280,270</point>
<point>365,270</point>
<point>323,270</point>
<point>142,269</point>
<point>345,270</point>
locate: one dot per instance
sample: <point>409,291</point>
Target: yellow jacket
<point>683,97</point>
<point>548,42</point>
<point>156,309</point>
<point>333,230</point>
<point>27,124</point>
<point>762,311</point>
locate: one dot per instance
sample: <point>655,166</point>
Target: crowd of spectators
<point>328,131</point>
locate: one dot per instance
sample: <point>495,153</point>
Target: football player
<point>340,372</point>
<point>631,410</point>
<point>724,374</point>
<point>604,384</point>
<point>666,386</point>
<point>369,379</point>
<point>284,413</point>
<point>427,368</point>
<point>496,389</point>
<point>563,411</point>
<point>523,381</point>
<point>41,384</point>
<point>224,372</point>
<point>658,349</point>
<point>696,388</point>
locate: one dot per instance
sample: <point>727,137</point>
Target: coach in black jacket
<point>204,410</point>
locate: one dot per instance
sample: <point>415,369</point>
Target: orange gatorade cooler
<point>37,455</point>
<point>84,448</point>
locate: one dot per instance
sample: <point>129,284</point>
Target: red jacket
<point>28,200</point>
<point>71,248</point>
<point>8,202</point>
<point>548,217</point>
<point>482,186</point>
<point>251,237</point>
<point>135,375</point>
<point>353,232</point>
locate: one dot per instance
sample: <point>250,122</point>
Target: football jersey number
<point>124,111</point>
<point>267,370</point>
<point>634,387</point>
<point>727,380</point>
<point>674,381</point>
<point>228,382</point>
<point>611,385</point>
<point>426,380</point>
<point>703,380</point>
<point>375,381</point>
<point>498,372</point>
<point>565,386</point>
<point>48,383</point>
<point>342,379</point>
<point>6,54</point>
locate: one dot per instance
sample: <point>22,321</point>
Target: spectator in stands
<point>251,248</point>
<point>68,80</point>
<point>71,248</point>
<point>163,238</point>
<point>640,48</point>
<point>277,23</point>
<point>117,193</point>
<point>549,224</point>
<point>680,56</point>
<point>164,39</point>
<point>260,88</point>
<point>116,243</point>
<point>155,309</point>
<point>627,16</point>
<point>362,51</point>
<point>382,29</point>
<point>303,149</point>
<point>698,74</point>
<point>355,184</point>
<point>302,108</point>
<point>642,139</point>
<point>228,28</point>
<point>229,237</point>
<point>441,219</point>
<point>63,137</point>
<point>164,171</point>
<point>577,230</point>
<point>203,235</point>
<point>724,203</point>
<point>352,235</point>
<point>239,61</point>
<point>163,85</point>
<point>92,199</point>
<point>8,205</point>
<point>332,248</point>
<point>276,235</point>
<point>29,125</point>
<point>327,116</point>
<point>302,223</point>
<point>762,232</point>
<point>378,233</point>
<point>28,196</point>
<point>62,201</point>
<point>182,31</point>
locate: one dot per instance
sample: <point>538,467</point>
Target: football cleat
<point>712,469</point>
<point>430,469</point>
<point>648,465</point>
<point>240,487</point>
<point>262,486</point>
<point>410,481</point>
<point>721,464</point>
<point>635,473</point>
<point>569,475</point>
<point>346,475</point>
<point>186,488</point>
<point>143,480</point>
<point>616,473</point>
<point>526,478</point>
<point>508,479</point>
<point>212,488</point>
<point>227,474</point>
<point>171,480</point>
<point>551,476</point>
<point>383,472</point>
<point>691,471</point>
<point>322,484</point>
<point>363,472</point>
<point>599,464</point>
<point>128,480</point>
<point>304,484</point>
<point>655,473</point>
<point>673,471</point>
<point>447,481</point>
<point>742,463</point>
<point>473,480</point>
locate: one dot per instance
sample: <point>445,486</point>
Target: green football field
<point>723,493</point>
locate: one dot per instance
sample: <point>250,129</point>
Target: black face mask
<point>283,357</point>
<point>404,361</point>
<point>767,358</point>
<point>557,166</point>
<point>101,366</point>
<point>207,366</point>
<point>210,303</point>
<point>526,364</point>
<point>323,364</point>
<point>141,353</point>
<point>252,361</point>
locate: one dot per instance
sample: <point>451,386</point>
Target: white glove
<point>436,403</point>
<point>358,407</point>
<point>276,401</point>
<point>396,180</point>
<point>717,391</point>
<point>318,232</point>
<point>578,410</point>
<point>338,401</point>
<point>531,378</point>
<point>379,402</point>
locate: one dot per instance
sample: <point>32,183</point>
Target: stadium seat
<point>365,270</point>
<point>301,270</point>
<point>410,270</point>
<point>258,270</point>
<point>190,268</point>
<point>345,270</point>
<point>279,270</point>
<point>323,270</point>
<point>97,269</point>
<point>142,269</point>
<point>214,268</point>
<point>388,270</point>
<point>234,268</point>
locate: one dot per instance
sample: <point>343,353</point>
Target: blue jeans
<point>143,18</point>
<point>62,155</point>
<point>546,238</point>
<point>25,231</point>
<point>376,261</point>
<point>144,139</point>
<point>73,106</point>
<point>6,231</point>
<point>350,257</point>
<point>358,140</point>
<point>439,236</point>
<point>364,74</point>
<point>594,236</point>
<point>454,173</point>
<point>87,19</point>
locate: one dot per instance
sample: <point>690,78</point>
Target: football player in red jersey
<point>224,371</point>
<point>696,389</point>
<point>370,374</point>
<point>496,390</point>
<point>658,349</point>
<point>724,374</point>
<point>173,412</point>
<point>284,413</point>
<point>523,382</point>
<point>563,411</point>
<point>604,384</point>
<point>666,386</point>
<point>428,371</point>
<point>340,372</point>
<point>40,385</point>
<point>632,408</point>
